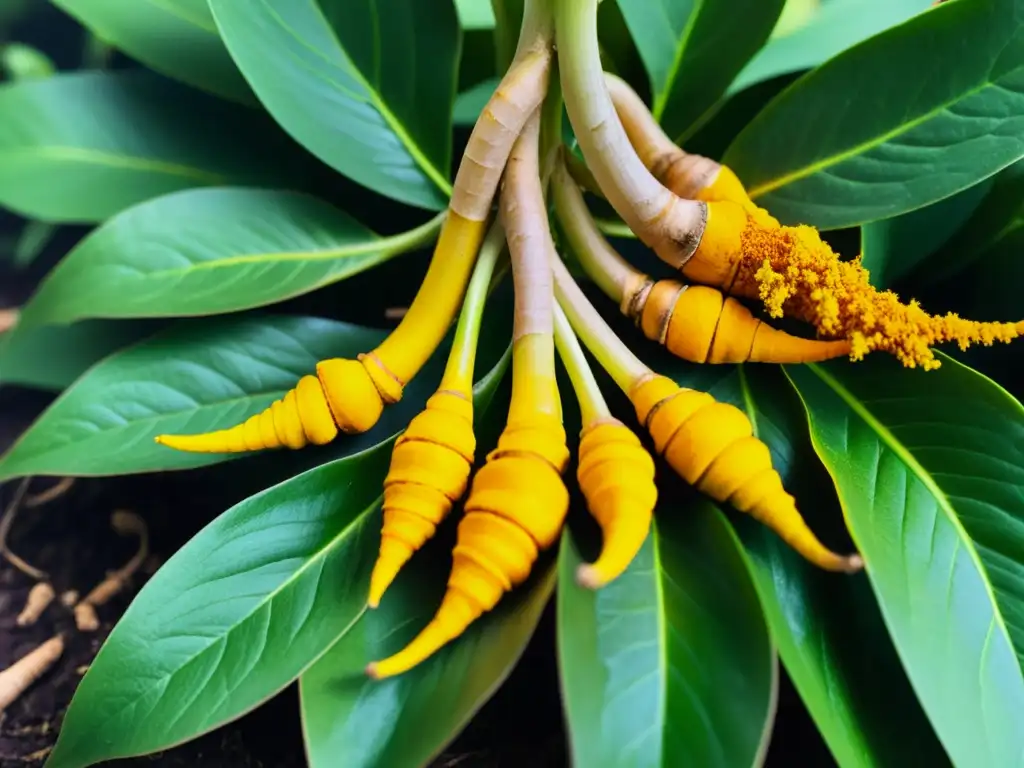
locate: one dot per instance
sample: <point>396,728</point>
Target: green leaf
<point>23,62</point>
<point>52,357</point>
<point>828,628</point>
<point>407,720</point>
<point>471,103</point>
<point>234,616</point>
<point>207,251</point>
<point>693,49</point>
<point>114,139</point>
<point>930,471</point>
<point>368,90</point>
<point>475,14</point>
<point>196,376</point>
<point>32,241</point>
<point>911,116</point>
<point>891,249</point>
<point>990,238</point>
<point>834,27</point>
<point>176,38</point>
<point>670,664</point>
<point>250,602</point>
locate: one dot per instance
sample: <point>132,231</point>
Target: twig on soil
<point>5,527</point>
<point>50,494</point>
<point>39,599</point>
<point>125,523</point>
<point>8,319</point>
<point>21,674</point>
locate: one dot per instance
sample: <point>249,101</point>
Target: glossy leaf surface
<point>52,357</point>
<point>409,719</point>
<point>832,28</point>
<point>671,663</point>
<point>366,86</point>
<point>176,38</point>
<point>692,50</point>
<point>911,116</point>
<point>893,248</point>
<point>828,628</point>
<point>114,139</point>
<point>249,603</point>
<point>194,377</point>
<point>206,251</point>
<point>929,467</point>
<point>233,616</point>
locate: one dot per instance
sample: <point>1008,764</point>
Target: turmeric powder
<point>798,274</point>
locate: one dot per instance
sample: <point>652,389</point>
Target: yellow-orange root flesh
<point>430,467</point>
<point>712,447</point>
<point>616,476</point>
<point>796,273</point>
<point>516,507</point>
<point>700,324</point>
<point>345,395</point>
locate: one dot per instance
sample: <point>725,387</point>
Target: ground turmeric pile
<point>799,275</point>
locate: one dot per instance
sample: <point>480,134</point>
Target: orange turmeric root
<point>616,476</point>
<point>430,469</point>
<point>516,507</point>
<point>712,447</point>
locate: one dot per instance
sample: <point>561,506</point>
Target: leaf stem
<point>524,216</point>
<point>667,223</point>
<point>611,352</point>
<point>593,406</point>
<point>458,373</point>
<point>403,242</point>
<point>607,269</point>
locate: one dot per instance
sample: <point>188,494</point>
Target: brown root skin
<point>712,447</point>
<point>699,324</point>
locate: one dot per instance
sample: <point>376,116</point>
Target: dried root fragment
<point>125,523</point>
<point>52,493</point>
<point>16,679</point>
<point>39,599</point>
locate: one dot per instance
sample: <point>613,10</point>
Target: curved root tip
<point>371,671</point>
<point>854,563</point>
<point>373,602</point>
<point>588,577</point>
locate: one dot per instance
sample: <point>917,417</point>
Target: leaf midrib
<point>342,536</point>
<point>177,11</point>
<point>835,159</point>
<point>99,157</point>
<point>414,150</point>
<point>942,500</point>
<point>661,101</point>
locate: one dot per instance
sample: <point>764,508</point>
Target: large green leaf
<point>828,628</point>
<point>990,239</point>
<point>670,664</point>
<point>693,49</point>
<point>195,377</point>
<point>52,357</point>
<point>930,472</point>
<point>250,602</point>
<point>893,248</point>
<point>366,86</point>
<point>407,720</point>
<point>234,616</point>
<point>833,27</point>
<point>913,115</point>
<point>114,139</point>
<point>206,251</point>
<point>174,37</point>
